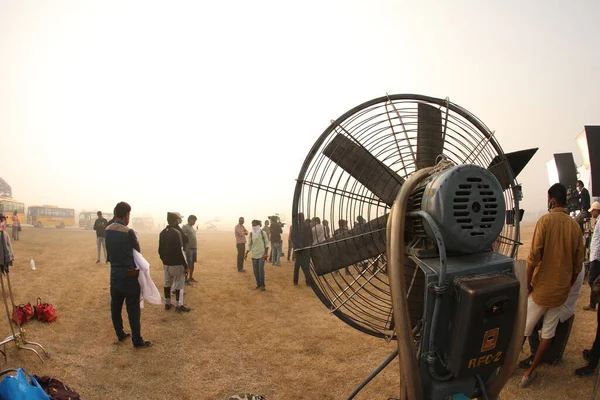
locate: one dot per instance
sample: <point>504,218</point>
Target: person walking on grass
<point>100,227</point>
<point>554,263</point>
<point>240,243</point>
<point>191,251</point>
<point>170,250</point>
<point>124,284</point>
<point>16,226</point>
<point>259,249</point>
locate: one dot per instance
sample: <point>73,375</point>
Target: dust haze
<point>211,109</point>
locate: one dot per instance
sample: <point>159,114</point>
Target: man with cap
<point>171,251</point>
<point>594,257</point>
<point>191,250</point>
<point>592,356</point>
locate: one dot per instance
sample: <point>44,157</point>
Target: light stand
<point>18,336</point>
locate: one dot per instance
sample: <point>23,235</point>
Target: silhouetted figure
<point>302,237</point>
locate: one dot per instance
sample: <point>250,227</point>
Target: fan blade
<point>430,135</point>
<point>351,247</point>
<point>516,161</point>
<point>380,179</point>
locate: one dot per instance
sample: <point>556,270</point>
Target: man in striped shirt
<point>240,243</point>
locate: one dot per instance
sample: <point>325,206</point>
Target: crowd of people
<point>177,249</point>
<point>266,244</point>
<point>556,267</point>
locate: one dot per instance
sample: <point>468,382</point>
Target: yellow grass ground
<point>281,343</point>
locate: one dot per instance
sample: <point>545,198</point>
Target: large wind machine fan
<point>423,220</point>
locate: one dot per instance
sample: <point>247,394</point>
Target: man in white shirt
<point>318,231</point>
<point>592,356</point>
<point>594,256</point>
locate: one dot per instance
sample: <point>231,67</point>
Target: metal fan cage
<point>387,128</point>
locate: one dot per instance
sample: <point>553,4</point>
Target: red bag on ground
<point>28,310</point>
<point>19,316</point>
<point>45,312</point>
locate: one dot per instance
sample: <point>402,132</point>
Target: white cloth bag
<point>148,290</point>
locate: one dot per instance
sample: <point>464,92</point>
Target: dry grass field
<point>281,343</point>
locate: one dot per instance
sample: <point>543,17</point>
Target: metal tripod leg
<point>20,328</point>
<point>19,336</point>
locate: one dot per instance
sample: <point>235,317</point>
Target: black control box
<point>484,314</point>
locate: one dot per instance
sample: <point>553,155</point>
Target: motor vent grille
<point>475,206</point>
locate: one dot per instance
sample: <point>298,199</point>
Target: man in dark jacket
<point>584,204</point>
<point>124,285</point>
<point>170,250</point>
<point>302,237</point>
<point>100,226</point>
<point>276,243</point>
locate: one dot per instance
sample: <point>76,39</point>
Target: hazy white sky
<point>211,107</point>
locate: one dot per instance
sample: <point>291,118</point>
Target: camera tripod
<point>18,335</point>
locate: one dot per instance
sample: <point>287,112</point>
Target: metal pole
<point>409,366</point>
<point>364,383</point>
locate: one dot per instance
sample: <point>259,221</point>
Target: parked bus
<point>40,216</point>
<point>9,206</point>
<point>143,223</point>
<point>87,218</point>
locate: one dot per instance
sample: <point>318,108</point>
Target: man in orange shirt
<point>554,262</point>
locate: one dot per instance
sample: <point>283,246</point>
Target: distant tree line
<point>5,189</point>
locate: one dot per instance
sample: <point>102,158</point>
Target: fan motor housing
<point>467,204</point>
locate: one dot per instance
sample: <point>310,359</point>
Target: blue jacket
<point>120,242</point>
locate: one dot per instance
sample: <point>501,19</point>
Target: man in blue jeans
<point>124,284</point>
<point>259,249</point>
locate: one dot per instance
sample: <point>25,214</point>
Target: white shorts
<point>551,319</point>
<point>175,277</point>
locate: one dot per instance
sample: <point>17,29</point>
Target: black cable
<point>482,386</point>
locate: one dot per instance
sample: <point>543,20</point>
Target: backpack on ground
<point>56,389</point>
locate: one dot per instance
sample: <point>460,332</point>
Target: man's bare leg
<point>539,355</point>
<point>191,271</point>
